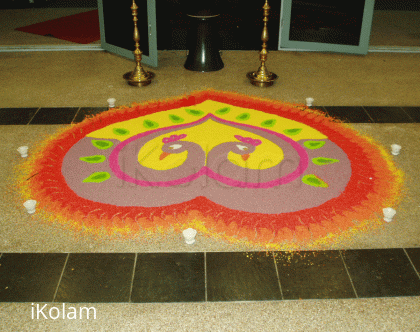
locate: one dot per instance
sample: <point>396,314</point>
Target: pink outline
<point>304,162</point>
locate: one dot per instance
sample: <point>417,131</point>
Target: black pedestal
<point>202,43</point>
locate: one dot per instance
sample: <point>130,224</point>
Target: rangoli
<point>234,167</point>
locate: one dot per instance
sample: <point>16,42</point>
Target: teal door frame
<point>362,48</point>
<point>152,58</point>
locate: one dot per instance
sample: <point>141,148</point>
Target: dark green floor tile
<point>238,276</point>
<point>85,112</point>
<point>353,114</point>
<point>16,116</point>
<point>414,254</point>
<point>313,275</point>
<point>56,115</point>
<point>387,114</point>
<point>169,277</point>
<point>381,273</point>
<point>30,277</point>
<point>413,112</point>
<point>96,278</point>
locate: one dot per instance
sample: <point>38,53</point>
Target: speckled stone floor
<point>369,284</point>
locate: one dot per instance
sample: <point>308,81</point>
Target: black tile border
<point>242,276</point>
<point>382,272</point>
<point>17,115</point>
<point>388,114</point>
<point>54,116</point>
<point>413,255</point>
<point>314,275</point>
<point>413,113</point>
<point>39,284</point>
<point>93,278</point>
<point>169,277</point>
<point>349,114</point>
<point>214,276</point>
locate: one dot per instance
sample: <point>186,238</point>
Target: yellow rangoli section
<point>208,135</point>
<point>135,126</point>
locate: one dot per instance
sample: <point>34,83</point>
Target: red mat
<point>80,28</point>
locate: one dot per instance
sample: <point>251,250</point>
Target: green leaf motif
<point>97,177</point>
<point>292,132</point>
<point>194,112</point>
<point>324,161</point>
<point>314,144</point>
<point>314,181</point>
<point>175,118</point>
<point>223,111</point>
<point>93,159</point>
<point>268,123</point>
<point>149,124</point>
<point>120,131</point>
<point>102,144</point>
<point>243,117</point>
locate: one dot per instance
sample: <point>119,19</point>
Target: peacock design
<point>271,187</point>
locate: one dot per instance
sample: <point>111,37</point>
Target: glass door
<point>117,28</point>
<point>326,25</point>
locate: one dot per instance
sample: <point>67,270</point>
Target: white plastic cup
<point>395,149</point>
<point>30,206</point>
<point>309,101</point>
<point>189,235</point>
<point>389,213</point>
<point>111,102</point>
<point>23,150</point>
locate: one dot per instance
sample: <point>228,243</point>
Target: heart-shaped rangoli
<point>246,169</point>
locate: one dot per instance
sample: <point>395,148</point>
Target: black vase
<point>203,36</point>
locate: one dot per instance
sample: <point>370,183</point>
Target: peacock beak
<point>245,156</point>
<point>164,155</point>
